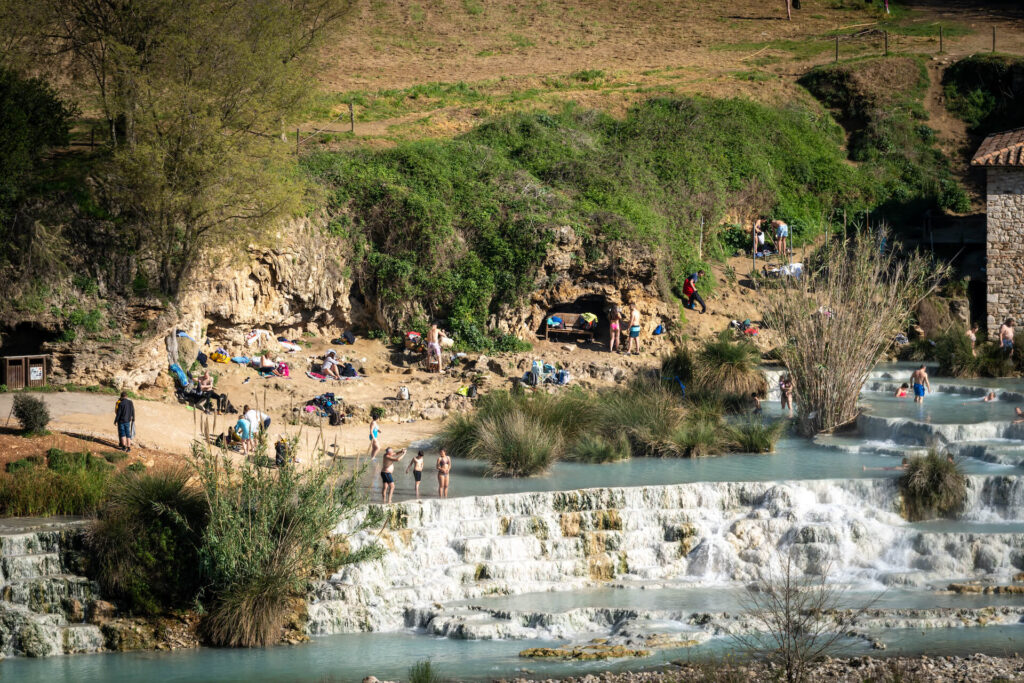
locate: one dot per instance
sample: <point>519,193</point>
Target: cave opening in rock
<point>25,338</point>
<point>598,304</point>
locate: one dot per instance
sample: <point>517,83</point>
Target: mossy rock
<point>570,524</point>
<point>607,520</point>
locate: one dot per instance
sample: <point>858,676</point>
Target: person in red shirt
<point>690,291</point>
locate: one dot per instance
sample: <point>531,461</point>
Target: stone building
<point>1002,156</point>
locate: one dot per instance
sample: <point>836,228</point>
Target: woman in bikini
<point>375,445</point>
<point>444,469</point>
<point>615,320</point>
<point>417,470</point>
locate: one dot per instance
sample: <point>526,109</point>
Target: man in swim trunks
<point>615,321</point>
<point>919,380</point>
<point>1006,336</point>
<point>387,473</point>
<point>634,331</point>
<point>444,471</point>
<point>416,464</point>
<point>434,345</point>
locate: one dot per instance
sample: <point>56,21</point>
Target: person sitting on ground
<point>1006,336</point>
<point>690,291</point>
<point>434,346</point>
<point>207,394</point>
<point>902,466</point>
<point>329,367</point>
<point>902,391</point>
<point>387,472</point>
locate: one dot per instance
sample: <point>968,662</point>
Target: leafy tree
<point>195,94</point>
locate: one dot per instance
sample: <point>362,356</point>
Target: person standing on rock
<point>124,420</point>
<point>919,380</point>
<point>633,346</point>
<point>444,471</point>
<point>614,323</point>
<point>387,472</point>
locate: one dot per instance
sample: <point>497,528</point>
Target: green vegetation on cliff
<point>459,227</point>
<point>880,102</point>
<point>987,92</point>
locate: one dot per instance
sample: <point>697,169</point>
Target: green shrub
<point>136,467</point>
<point>145,544</point>
<point>423,672</point>
<point>755,435</point>
<point>376,413</point>
<point>114,456</point>
<point>461,227</point>
<point>32,413</point>
<point>677,363</point>
<point>268,534</point>
<point>986,92</point>
<point>932,486</point>
<point>65,461</point>
<point>956,355</point>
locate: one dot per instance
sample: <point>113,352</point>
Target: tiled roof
<point>1001,149</point>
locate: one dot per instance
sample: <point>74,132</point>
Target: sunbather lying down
<point>267,364</point>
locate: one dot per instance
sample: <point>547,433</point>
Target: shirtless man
<point>444,471</point>
<point>416,464</point>
<point>387,473</point>
<point>919,380</point>
<point>634,331</point>
<point>781,236</point>
<point>434,345</point>
<point>1006,336</point>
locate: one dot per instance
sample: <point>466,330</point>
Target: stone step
<point>81,638</point>
<point>17,567</point>
<point>50,594</point>
<point>29,543</point>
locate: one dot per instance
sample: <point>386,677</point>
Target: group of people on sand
<point>443,466</point>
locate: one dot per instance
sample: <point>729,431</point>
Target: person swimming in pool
<point>902,391</point>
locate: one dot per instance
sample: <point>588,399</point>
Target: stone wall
<point>1005,245</point>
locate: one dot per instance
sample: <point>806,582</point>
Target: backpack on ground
<point>403,393</point>
<point>348,337</point>
<point>349,370</point>
<point>472,392</point>
<point>562,377</point>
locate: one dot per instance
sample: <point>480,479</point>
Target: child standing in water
<point>417,470</point>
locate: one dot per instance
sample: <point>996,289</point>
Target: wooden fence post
<point>297,139</point>
<point>993,39</point>
<point>886,34</point>
<point>351,118</point>
<point>837,48</point>
<point>940,39</point>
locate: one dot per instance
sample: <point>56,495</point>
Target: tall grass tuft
<point>755,436</point>
<point>145,543</point>
<point>268,534</point>
<point>699,437</point>
<point>595,448</point>
<point>423,672</point>
<point>932,486</point>
<point>71,484</point>
<point>515,444</point>
<point>730,366</point>
<point>677,363</point>
<point>956,356</point>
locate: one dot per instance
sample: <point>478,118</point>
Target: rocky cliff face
<point>305,282</point>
